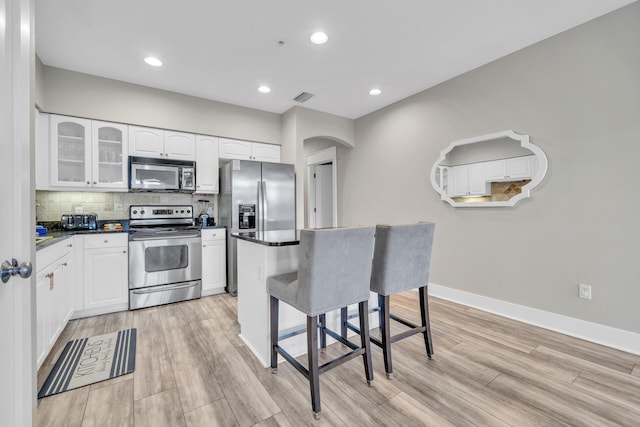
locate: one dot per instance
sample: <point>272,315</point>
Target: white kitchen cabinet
<point>54,295</point>
<point>105,275</point>
<point>85,154</point>
<point>109,155</point>
<point>469,180</point>
<point>146,142</point>
<point>515,168</point>
<point>70,151</point>
<point>179,145</point>
<point>265,152</point>
<point>206,164</point>
<point>161,144</point>
<point>246,150</point>
<point>214,273</point>
<point>42,151</point>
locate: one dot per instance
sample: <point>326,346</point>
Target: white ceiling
<point>224,50</point>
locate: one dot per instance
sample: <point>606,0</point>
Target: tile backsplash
<point>50,205</point>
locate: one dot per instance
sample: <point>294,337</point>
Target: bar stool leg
<point>312,355</point>
<point>424,313</point>
<point>274,333</point>
<point>323,332</point>
<point>343,322</point>
<point>363,308</point>
<point>380,313</point>
<point>385,332</point>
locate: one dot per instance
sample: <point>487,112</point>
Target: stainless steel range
<point>164,255</point>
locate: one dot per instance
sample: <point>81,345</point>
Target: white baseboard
<point>589,331</point>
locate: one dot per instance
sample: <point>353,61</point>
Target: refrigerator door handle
<point>264,206</point>
<point>258,212</point>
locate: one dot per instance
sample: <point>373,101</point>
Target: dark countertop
<point>55,233</point>
<point>56,236</point>
<point>270,238</point>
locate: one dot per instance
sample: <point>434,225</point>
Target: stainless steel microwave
<point>166,175</point>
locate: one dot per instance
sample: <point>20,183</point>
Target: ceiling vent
<point>303,97</point>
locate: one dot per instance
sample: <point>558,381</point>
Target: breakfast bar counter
<point>260,255</point>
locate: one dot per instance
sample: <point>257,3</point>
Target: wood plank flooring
<point>193,370</point>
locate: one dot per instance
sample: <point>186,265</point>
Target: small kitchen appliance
<point>79,222</point>
<point>205,219</point>
<point>162,175</point>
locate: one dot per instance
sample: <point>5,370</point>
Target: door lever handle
<point>12,269</point>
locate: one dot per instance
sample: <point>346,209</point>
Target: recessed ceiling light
<point>375,92</point>
<point>153,61</point>
<point>319,38</point>
<point>264,89</point>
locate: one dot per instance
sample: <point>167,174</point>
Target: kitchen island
<point>260,255</point>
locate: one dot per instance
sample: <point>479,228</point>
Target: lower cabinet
<point>105,274</point>
<point>214,271</point>
<point>54,295</point>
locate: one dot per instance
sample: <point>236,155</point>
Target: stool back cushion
<point>402,257</point>
<point>334,268</point>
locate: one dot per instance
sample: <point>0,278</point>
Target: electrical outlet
<point>584,291</point>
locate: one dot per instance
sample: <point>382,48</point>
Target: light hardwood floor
<point>193,370</point>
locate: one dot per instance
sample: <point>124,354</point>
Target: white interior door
<point>322,193</point>
<point>323,182</point>
<point>17,360</point>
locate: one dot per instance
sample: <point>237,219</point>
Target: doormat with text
<point>90,360</point>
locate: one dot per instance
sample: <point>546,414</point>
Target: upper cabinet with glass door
<point>70,151</point>
<point>109,155</point>
<point>88,154</point>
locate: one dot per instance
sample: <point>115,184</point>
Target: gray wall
<point>84,95</point>
<point>578,96</point>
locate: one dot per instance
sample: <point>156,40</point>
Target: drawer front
<point>106,240</point>
<point>45,256</point>
<point>216,234</point>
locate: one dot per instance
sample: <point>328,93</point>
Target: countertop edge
<point>265,242</point>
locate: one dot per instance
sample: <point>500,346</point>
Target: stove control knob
<point>188,211</point>
<point>135,212</point>
<point>142,212</point>
<point>182,211</point>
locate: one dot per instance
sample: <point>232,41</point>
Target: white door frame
<point>17,218</point>
<point>328,155</point>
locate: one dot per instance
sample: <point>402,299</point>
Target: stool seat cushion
<point>284,287</point>
<point>334,269</point>
<point>402,257</point>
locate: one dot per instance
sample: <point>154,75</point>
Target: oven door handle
<point>165,237</point>
<point>164,288</point>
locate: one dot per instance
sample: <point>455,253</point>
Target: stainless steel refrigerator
<point>254,196</point>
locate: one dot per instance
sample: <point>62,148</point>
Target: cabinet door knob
<point>124,252</point>
<point>88,182</point>
<point>69,245</point>
<point>64,264</point>
<point>106,241</point>
<point>94,182</point>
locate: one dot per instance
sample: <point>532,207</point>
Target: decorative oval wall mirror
<point>498,169</point>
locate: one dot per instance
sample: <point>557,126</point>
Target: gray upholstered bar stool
<point>401,261</point>
<point>334,270</point>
